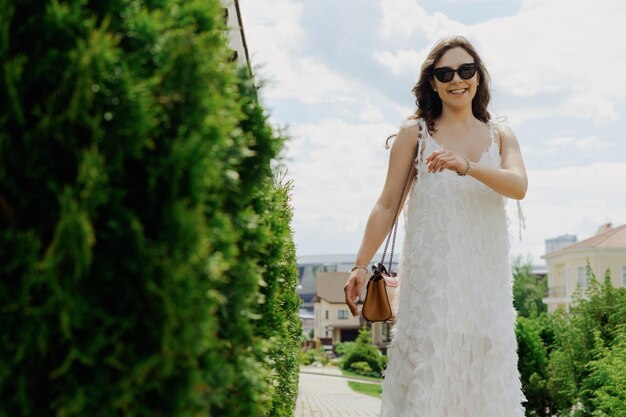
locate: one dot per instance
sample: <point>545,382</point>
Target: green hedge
<point>572,362</point>
<point>146,260</point>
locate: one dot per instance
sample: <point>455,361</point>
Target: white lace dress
<point>453,351</point>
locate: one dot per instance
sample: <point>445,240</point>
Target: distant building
<point>333,320</point>
<point>331,314</point>
<point>308,321</point>
<point>311,265</point>
<point>567,266</point>
<point>559,242</point>
<point>322,278</point>
<point>236,36</point>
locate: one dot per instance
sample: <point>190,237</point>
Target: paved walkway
<point>322,393</point>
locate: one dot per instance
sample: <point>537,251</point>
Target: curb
<point>349,378</point>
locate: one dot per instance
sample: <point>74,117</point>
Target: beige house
<point>567,265</point>
<point>332,317</point>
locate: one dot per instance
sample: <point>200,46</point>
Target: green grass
<point>355,375</point>
<point>373,390</point>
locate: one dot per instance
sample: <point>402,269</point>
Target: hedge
<point>146,260</point>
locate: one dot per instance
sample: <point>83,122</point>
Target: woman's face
<point>458,92</point>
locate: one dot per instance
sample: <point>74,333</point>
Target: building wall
<point>236,37</point>
<point>330,327</point>
<point>567,269</point>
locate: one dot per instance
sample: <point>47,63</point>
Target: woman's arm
<point>381,216</point>
<point>510,179</point>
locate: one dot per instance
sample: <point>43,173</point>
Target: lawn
<point>355,375</point>
<point>373,390</point>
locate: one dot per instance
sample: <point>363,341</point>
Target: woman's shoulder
<point>410,127</point>
<point>503,131</point>
<point>500,124</point>
<point>410,122</point>
<point>407,133</point>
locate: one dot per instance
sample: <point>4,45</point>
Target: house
<point>567,266</point>
<point>332,317</point>
<point>236,35</point>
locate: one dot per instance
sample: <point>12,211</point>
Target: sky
<point>337,76</point>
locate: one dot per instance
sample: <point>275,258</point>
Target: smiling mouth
<point>458,91</point>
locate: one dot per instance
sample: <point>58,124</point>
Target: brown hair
<point>428,102</point>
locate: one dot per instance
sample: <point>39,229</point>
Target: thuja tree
<point>146,259</point>
<point>587,354</point>
<point>528,290</point>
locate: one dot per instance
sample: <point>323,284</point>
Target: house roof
<point>330,286</point>
<point>607,237</point>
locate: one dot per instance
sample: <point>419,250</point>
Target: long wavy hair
<point>429,104</point>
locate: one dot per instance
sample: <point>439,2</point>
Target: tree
<point>140,224</point>
<point>528,290</point>
<point>606,383</point>
<point>532,365</point>
<point>584,338</point>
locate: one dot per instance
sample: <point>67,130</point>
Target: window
<point>624,276</point>
<point>326,315</point>
<point>582,276</point>
<point>342,314</point>
<point>386,332</point>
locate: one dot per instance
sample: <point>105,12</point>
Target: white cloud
<point>557,53</point>
<point>558,47</point>
<point>573,200</point>
<point>405,18</point>
<point>560,143</point>
<point>402,61</point>
<point>273,28</point>
<point>338,170</point>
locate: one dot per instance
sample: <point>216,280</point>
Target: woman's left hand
<point>444,159</point>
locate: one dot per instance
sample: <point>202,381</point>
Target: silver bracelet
<point>467,168</point>
<point>357,267</point>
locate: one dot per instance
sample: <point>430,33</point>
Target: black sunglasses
<point>446,74</point>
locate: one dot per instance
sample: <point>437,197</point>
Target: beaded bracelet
<point>467,168</point>
<point>357,267</point>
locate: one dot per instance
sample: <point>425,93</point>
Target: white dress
<point>453,351</point>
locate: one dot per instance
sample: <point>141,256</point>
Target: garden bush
<point>146,259</point>
<point>361,367</point>
<point>572,362</point>
<point>362,350</point>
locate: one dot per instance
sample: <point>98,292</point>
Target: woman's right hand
<point>354,288</point>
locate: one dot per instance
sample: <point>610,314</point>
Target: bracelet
<point>357,267</point>
<point>467,168</point>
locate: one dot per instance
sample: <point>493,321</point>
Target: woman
<point>453,351</point>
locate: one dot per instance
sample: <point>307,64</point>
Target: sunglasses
<point>446,74</point>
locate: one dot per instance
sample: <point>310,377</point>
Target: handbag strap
<point>394,225</point>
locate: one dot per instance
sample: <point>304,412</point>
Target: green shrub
<point>146,255</point>
<point>361,367</point>
<point>341,348</point>
<point>308,357</point>
<point>362,350</point>
<point>606,384</point>
<point>584,350</point>
<point>311,356</point>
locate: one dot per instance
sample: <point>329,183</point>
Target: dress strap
<point>521,219</point>
<point>493,132</point>
<point>420,139</point>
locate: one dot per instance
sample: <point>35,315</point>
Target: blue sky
<point>339,75</point>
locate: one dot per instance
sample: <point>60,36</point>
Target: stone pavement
<point>322,392</point>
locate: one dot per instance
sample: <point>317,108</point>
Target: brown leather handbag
<point>377,304</point>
